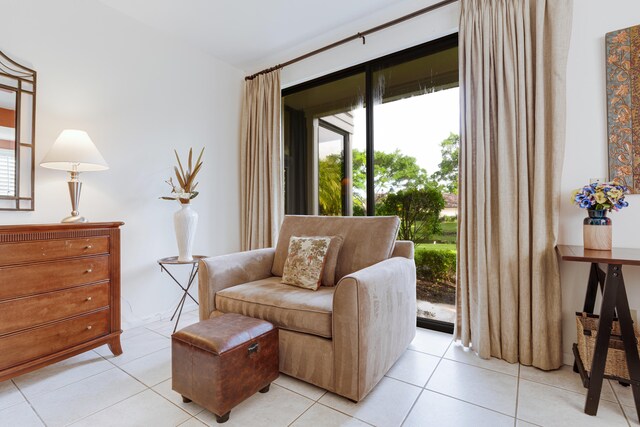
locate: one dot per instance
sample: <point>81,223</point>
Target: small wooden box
<point>220,362</point>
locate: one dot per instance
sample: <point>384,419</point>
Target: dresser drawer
<point>22,313</point>
<point>17,281</point>
<point>45,250</point>
<point>28,345</point>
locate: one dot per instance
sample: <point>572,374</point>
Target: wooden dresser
<point>59,293</point>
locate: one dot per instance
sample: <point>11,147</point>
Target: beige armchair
<point>342,338</point>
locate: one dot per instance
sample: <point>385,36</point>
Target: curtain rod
<point>360,35</point>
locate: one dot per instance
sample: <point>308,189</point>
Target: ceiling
<point>242,32</point>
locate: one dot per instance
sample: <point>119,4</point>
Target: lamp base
<point>76,218</point>
<point>74,191</point>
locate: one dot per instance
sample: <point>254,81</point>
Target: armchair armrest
<point>221,272</point>
<point>403,248</point>
<point>374,320</point>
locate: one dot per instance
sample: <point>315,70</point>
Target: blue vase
<point>597,217</point>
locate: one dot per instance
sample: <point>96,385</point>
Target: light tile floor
<point>435,383</point>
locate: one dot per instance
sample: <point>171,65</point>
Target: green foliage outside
<point>329,185</point>
<point>402,188</point>
<point>405,189</point>
<point>448,233</point>
<point>436,247</point>
<point>436,266</point>
<point>418,209</point>
<point>447,175</point>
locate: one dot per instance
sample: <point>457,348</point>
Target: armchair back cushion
<point>366,240</point>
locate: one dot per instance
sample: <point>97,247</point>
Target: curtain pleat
<point>513,56</point>
<point>261,180</point>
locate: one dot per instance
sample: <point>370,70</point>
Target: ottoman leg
<point>223,418</point>
<point>186,399</point>
<point>265,388</point>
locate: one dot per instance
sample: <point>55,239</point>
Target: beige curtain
<point>513,56</point>
<point>261,180</point>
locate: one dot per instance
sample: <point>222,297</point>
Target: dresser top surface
<point>58,227</point>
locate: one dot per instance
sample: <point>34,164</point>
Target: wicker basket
<point>587,325</point>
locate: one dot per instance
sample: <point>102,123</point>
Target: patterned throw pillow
<point>305,261</point>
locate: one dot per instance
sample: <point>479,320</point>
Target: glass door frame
<point>346,170</point>
<point>369,68</point>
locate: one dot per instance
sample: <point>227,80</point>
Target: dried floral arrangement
<point>185,189</point>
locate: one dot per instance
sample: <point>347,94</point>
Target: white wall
<point>586,148</point>
<point>139,94</point>
<point>436,24</point>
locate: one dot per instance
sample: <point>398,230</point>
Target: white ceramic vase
<point>185,221</point>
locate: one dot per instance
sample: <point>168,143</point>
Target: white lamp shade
<point>74,150</point>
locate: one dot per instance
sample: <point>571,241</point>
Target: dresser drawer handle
<point>89,299</point>
<point>88,247</point>
<point>89,270</point>
<point>89,327</point>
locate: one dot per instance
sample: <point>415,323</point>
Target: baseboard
<point>567,359</point>
<point>130,324</point>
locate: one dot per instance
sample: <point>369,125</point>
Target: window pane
<point>7,143</point>
<point>319,129</point>
<point>416,127</point>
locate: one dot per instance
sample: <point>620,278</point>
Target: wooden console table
<point>614,300</point>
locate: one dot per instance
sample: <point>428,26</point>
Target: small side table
<point>173,260</point>
<point>614,299</point>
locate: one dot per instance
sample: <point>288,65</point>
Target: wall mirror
<point>623,106</point>
<point>17,135</point>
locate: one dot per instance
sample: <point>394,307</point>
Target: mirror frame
<point>21,80</point>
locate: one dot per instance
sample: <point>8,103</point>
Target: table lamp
<point>74,151</point>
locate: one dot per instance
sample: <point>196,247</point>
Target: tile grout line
<point>100,410</point>
<point>619,402</point>
<point>28,402</point>
<point>425,384</point>
<point>66,385</point>
<point>470,403</point>
<point>303,412</point>
<point>482,367</point>
<point>298,393</point>
<point>136,358</point>
<point>73,382</point>
<point>177,406</point>
<point>461,400</point>
<point>344,413</point>
<point>413,405</point>
<point>464,363</point>
<point>567,389</point>
<point>119,401</point>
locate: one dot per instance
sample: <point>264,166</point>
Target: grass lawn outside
<point>436,247</point>
<point>448,233</point>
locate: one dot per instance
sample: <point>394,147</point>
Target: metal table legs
<point>192,275</point>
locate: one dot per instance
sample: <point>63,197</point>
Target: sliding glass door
<point>319,143</point>
<point>381,138</point>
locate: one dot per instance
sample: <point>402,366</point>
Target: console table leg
<point>592,291</point>
<point>629,339</point>
<point>602,341</point>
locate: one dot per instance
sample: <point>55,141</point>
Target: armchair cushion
<point>285,306</point>
<point>366,240</point>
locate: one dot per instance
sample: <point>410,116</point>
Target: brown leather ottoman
<point>220,362</point>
